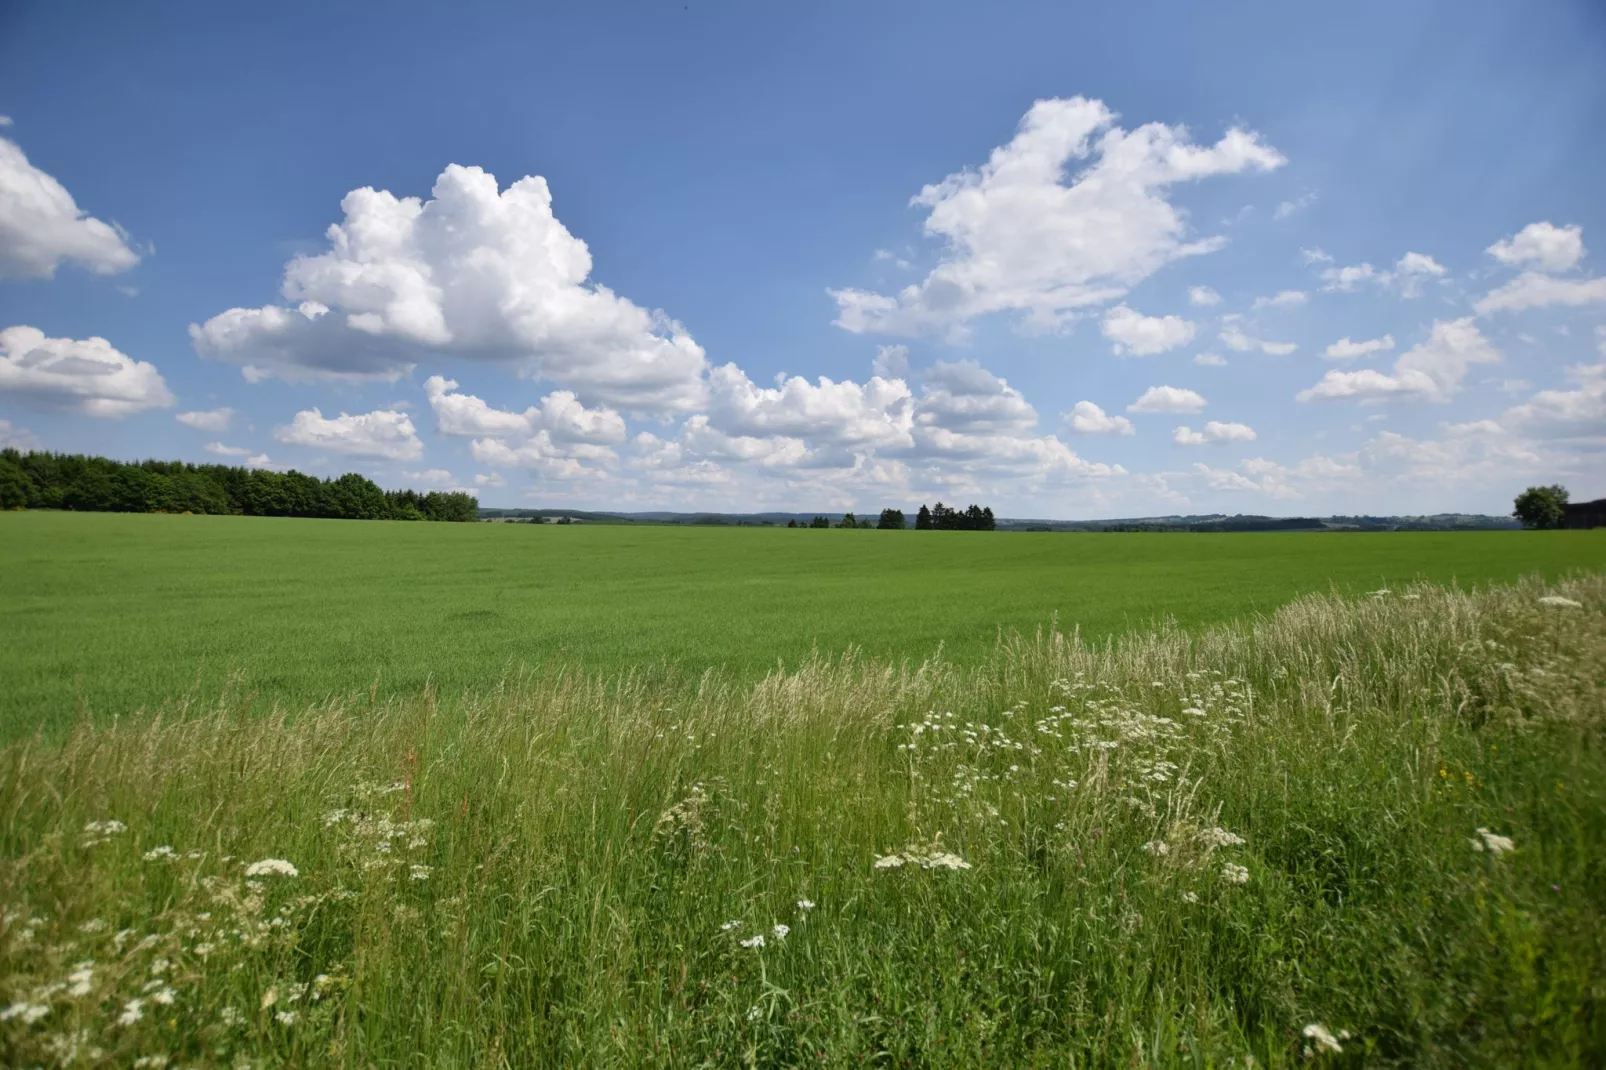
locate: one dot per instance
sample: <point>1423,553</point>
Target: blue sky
<point>1067,262</point>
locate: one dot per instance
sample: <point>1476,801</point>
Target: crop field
<point>103,614</point>
<point>1351,830</point>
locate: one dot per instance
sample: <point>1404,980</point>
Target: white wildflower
<point>889,862</point>
<point>1158,848</point>
<point>1493,843</point>
<point>1190,897</point>
<point>105,828</point>
<point>780,931</point>
<point>805,904</point>
<point>1379,593</point>
<point>159,967</point>
<point>133,1011</point>
<point>94,925</point>
<point>729,925</point>
<point>271,867</point>
<point>754,1013</point>
<point>164,996</point>
<point>754,941</point>
<point>1325,1041</point>
<point>1559,602</point>
<point>205,949</point>
<point>151,1062</point>
<point>419,872</point>
<point>29,1013</point>
<point>231,1017</point>
<point>1233,874</point>
<point>163,853</point>
<point>285,1017</point>
<point>1220,837</point>
<point>81,980</point>
<point>944,860</point>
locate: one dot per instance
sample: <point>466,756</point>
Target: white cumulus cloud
<point>41,225</point>
<point>1533,290</point>
<point>253,459</point>
<point>1543,246</point>
<point>383,433</point>
<point>472,272</point>
<point>1087,418</point>
<point>87,376</point>
<point>1344,349</point>
<point>1168,399</point>
<point>1432,371</point>
<point>1203,296</point>
<point>1283,299</point>
<point>1215,433</point>
<point>17,438</point>
<point>1025,233</point>
<point>559,414</point>
<point>1234,337</point>
<point>1144,335</point>
<point>214,420</point>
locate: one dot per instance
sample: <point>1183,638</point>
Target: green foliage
<point>1541,507</point>
<point>820,522</point>
<point>1175,850</point>
<point>107,612</point>
<point>942,518</point>
<point>891,520</point>
<point>96,484</point>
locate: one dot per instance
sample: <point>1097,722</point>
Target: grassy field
<point>107,613</point>
<point>1351,832</point>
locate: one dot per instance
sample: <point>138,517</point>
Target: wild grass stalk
<point>1351,830</point>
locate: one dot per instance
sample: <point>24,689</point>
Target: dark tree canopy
<point>942,518</point>
<point>891,520</point>
<point>1541,507</point>
<point>98,484</point>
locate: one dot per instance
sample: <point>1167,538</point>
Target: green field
<point>111,612</point>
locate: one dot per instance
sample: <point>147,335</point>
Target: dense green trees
<point>891,520</point>
<point>1537,507</point>
<point>98,484</point>
<point>941,518</point>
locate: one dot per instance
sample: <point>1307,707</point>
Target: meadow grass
<point>1351,830</point>
<point>104,613</point>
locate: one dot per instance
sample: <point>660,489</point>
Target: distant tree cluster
<point>941,518</point>
<point>1541,507</point>
<point>97,484</point>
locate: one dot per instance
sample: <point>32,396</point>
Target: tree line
<point>937,518</point>
<point>37,480</point>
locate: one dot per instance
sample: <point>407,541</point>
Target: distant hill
<point>1205,522</point>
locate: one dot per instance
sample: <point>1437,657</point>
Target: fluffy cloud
<point>846,413</point>
<point>1210,360</point>
<point>1144,335</point>
<point>490,479</point>
<point>214,420</point>
<point>1215,433</point>
<point>1344,349</point>
<point>1021,237</point>
<point>891,362</point>
<point>41,225</point>
<point>1235,338</point>
<point>1543,246</point>
<point>472,272</point>
<point>1168,399</point>
<point>1576,413</point>
<point>17,438</point>
<point>1087,418</point>
<point>1408,275</point>
<point>86,376</point>
<point>1203,296</point>
<point>383,433</point>
<point>560,415</point>
<point>1533,290</point>
<point>1283,299</point>
<point>252,459</point>
<point>1432,371</point>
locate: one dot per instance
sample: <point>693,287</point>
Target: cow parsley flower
<point>889,862</point>
<point>133,1011</point>
<point>781,931</point>
<point>29,1013</point>
<point>1494,844</point>
<point>1325,1041</point>
<point>1234,874</point>
<point>285,1017</point>
<point>271,867</point>
<point>163,853</point>
<point>805,904</point>
<point>754,941</point>
<point>81,980</point>
<point>729,925</point>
